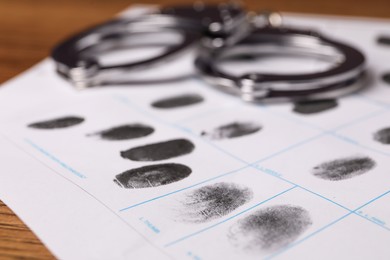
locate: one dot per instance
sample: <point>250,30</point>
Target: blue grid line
<point>373,221</point>
<point>372,101</point>
<point>186,188</point>
<point>247,165</point>
<point>292,147</point>
<point>250,164</point>
<point>329,225</point>
<point>360,119</point>
<point>342,137</point>
<point>307,237</point>
<point>232,217</point>
<point>332,131</point>
<point>54,159</point>
<point>323,197</point>
<point>301,187</point>
<point>125,101</point>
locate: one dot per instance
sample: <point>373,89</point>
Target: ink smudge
<point>212,202</point>
<point>232,130</point>
<point>270,229</point>
<point>124,132</point>
<point>178,101</point>
<point>386,78</point>
<point>385,40</point>
<point>308,107</point>
<point>345,168</point>
<point>159,151</point>
<point>62,122</point>
<point>383,136</point>
<point>152,176</point>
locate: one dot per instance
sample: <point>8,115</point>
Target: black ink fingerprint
<point>152,176</point>
<point>386,78</point>
<point>212,202</point>
<point>159,151</point>
<point>314,106</point>
<point>56,123</point>
<point>270,229</point>
<point>178,101</point>
<point>125,132</point>
<point>232,130</point>
<point>385,40</point>
<point>345,168</point>
<point>383,135</point>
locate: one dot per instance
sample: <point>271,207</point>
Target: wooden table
<point>29,28</point>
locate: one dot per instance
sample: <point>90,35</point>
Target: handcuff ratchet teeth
<point>221,32</point>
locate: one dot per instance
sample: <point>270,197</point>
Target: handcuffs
<point>219,32</point>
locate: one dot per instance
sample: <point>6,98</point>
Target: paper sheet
<point>241,181</point>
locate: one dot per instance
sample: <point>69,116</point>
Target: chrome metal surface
<point>220,32</point>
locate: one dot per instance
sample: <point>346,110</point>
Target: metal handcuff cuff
<point>221,32</point>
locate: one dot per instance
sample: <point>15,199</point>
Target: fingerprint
<point>308,107</point>
<point>385,40</point>
<point>270,229</point>
<point>345,168</point>
<point>62,122</point>
<point>152,176</point>
<point>386,77</point>
<point>383,135</point>
<point>232,130</point>
<point>159,151</point>
<point>124,132</point>
<point>212,202</point>
<point>178,101</point>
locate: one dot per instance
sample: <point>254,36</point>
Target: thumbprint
<point>269,229</point>
<point>159,151</point>
<point>178,101</point>
<point>212,202</point>
<point>124,132</point>
<point>62,122</point>
<point>386,78</point>
<point>383,136</point>
<point>152,176</point>
<point>308,107</point>
<point>345,168</point>
<point>232,130</point>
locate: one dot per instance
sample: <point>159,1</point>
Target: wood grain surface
<point>29,29</point>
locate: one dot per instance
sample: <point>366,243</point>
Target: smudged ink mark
<point>314,106</point>
<point>152,176</point>
<point>178,101</point>
<point>125,132</point>
<point>345,168</point>
<point>62,122</point>
<point>385,40</point>
<point>383,135</point>
<point>386,78</point>
<point>232,130</point>
<point>270,229</point>
<point>212,202</point>
<point>159,151</point>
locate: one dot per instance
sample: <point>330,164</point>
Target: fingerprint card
<point>266,230</point>
<point>190,210</point>
<point>246,131</point>
<point>178,169</point>
<point>147,158</point>
<point>334,168</point>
